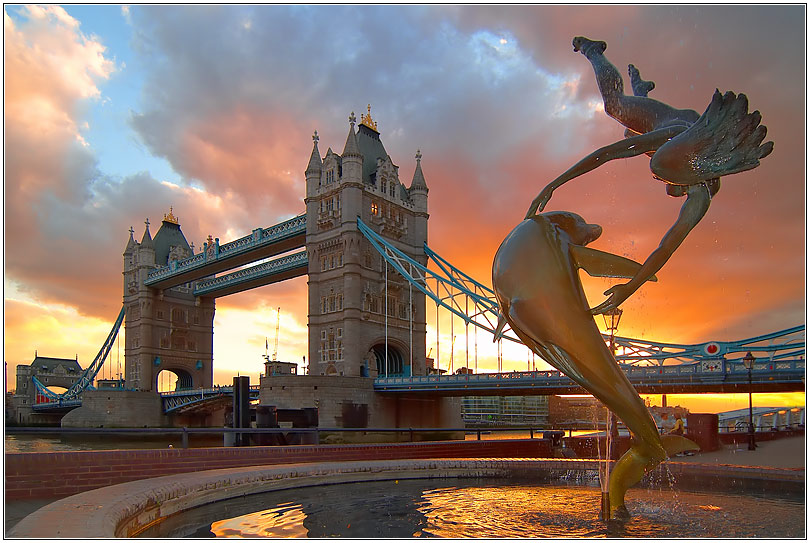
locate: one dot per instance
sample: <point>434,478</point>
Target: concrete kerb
<point>126,509</point>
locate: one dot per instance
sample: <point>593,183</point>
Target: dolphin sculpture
<point>536,282</point>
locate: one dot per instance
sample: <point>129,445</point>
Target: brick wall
<point>61,474</point>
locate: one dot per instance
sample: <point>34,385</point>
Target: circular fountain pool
<point>486,507</point>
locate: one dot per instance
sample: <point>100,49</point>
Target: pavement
<point>788,452</point>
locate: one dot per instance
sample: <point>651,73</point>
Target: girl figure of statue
<point>688,152</point>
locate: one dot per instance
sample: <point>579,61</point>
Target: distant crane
<point>275,347</point>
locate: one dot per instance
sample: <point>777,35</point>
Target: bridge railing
<point>258,238</point>
<point>272,267</point>
<point>706,370</point>
<point>181,398</point>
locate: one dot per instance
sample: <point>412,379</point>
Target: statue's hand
<point>539,203</point>
<point>616,295</point>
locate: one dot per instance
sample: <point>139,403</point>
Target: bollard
<point>479,435</point>
<point>531,433</point>
<point>185,437</point>
<point>411,429</point>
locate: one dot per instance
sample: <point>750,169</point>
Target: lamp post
<point>748,362</point>
<point>612,319</point>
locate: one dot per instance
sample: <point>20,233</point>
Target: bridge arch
<point>171,379</point>
<point>398,359</point>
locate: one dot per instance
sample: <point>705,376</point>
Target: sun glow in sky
<point>113,114</point>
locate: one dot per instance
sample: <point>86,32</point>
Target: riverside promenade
<point>786,453</point>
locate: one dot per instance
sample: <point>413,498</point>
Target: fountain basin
<point>127,509</point>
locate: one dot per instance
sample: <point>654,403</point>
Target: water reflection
<point>286,520</point>
<point>486,508</point>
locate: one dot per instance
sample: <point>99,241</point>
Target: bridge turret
<point>352,158</point>
<point>418,192</point>
<point>131,244</point>
<point>146,251</point>
<point>314,168</point>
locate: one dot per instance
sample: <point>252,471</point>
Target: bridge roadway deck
<point>725,377</point>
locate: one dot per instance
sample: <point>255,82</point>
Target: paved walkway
<point>788,452</point>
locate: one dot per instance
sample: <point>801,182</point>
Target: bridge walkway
<point>262,243</point>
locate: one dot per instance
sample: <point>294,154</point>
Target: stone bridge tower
<point>165,329</point>
<point>348,292</point>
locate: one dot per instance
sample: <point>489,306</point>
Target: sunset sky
<point>113,114</point>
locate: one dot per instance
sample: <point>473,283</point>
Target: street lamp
<point>748,362</point>
<point>612,319</point>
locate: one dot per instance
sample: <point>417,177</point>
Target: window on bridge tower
<point>375,209</point>
<point>383,185</point>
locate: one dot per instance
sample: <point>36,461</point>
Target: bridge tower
<point>349,333</point>
<point>167,329</point>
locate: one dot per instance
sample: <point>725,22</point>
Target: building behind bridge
<point>52,372</point>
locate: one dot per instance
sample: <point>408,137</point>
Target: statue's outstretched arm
<point>692,211</point>
<point>626,148</point>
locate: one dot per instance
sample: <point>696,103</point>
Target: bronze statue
<point>539,293</point>
<point>689,152</point>
<point>534,272</point>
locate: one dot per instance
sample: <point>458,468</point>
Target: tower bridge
<point>362,243</point>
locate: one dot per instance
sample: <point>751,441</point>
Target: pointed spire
<point>418,182</point>
<point>131,243</point>
<point>351,148</point>
<point>146,241</point>
<point>315,162</point>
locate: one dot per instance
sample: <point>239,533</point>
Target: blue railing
<point>182,398</point>
<point>700,374</point>
<point>260,271</point>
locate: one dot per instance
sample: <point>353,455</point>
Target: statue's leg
<point>640,87</point>
<point>608,77</point>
